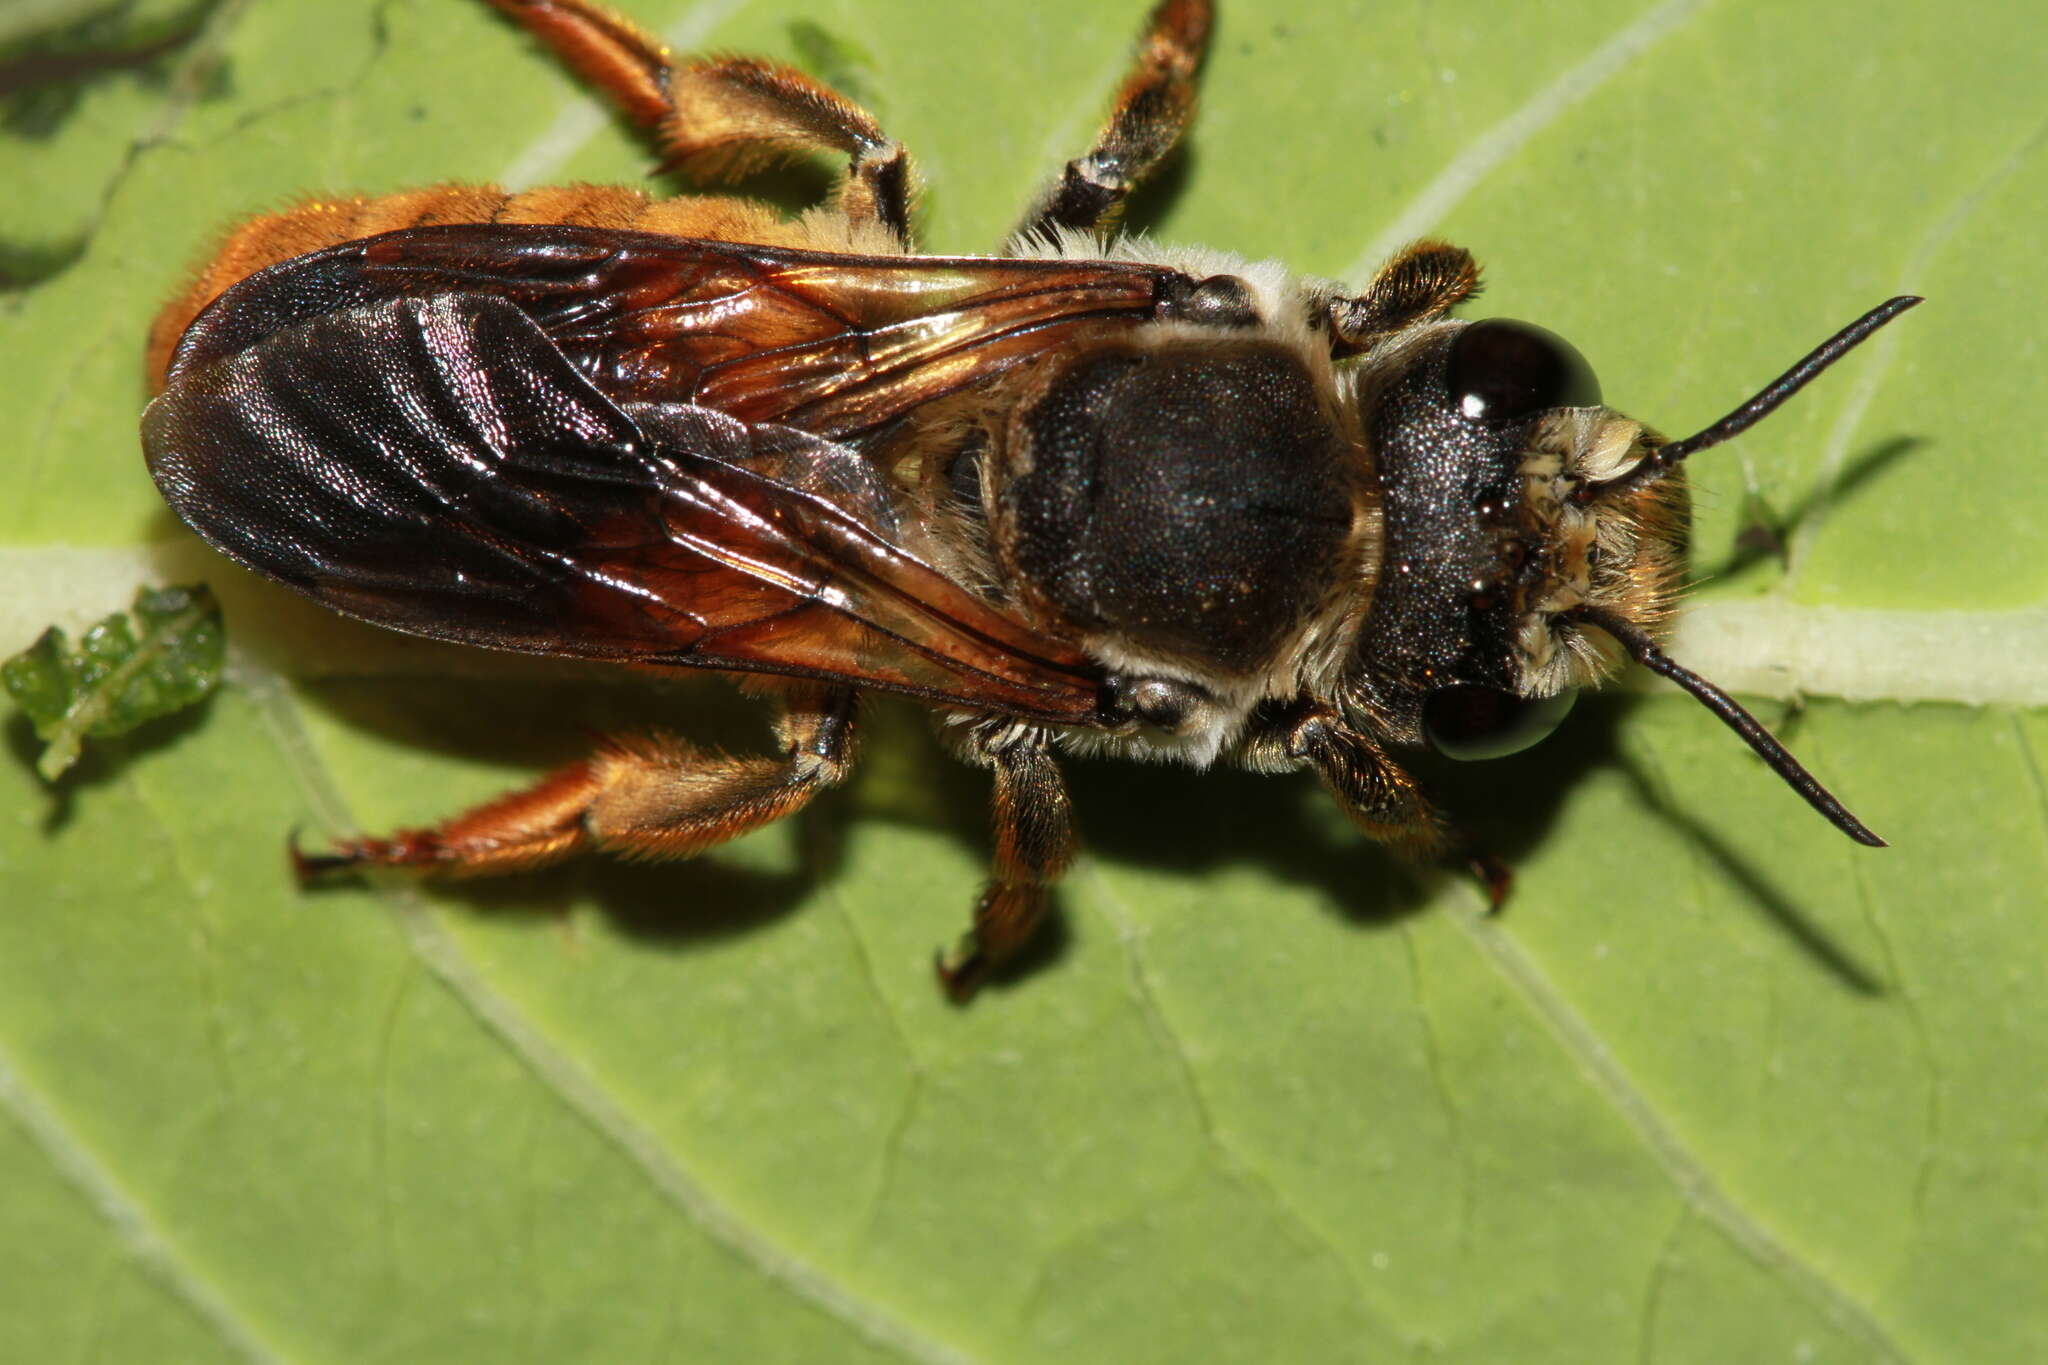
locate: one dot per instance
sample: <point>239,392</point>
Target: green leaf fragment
<point>161,656</point>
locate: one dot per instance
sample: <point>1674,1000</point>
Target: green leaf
<point>161,656</point>
<point>840,63</point>
<point>1718,1086</point>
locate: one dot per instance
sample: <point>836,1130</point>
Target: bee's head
<point>1531,539</point>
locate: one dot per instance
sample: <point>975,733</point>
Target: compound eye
<point>1470,723</point>
<point>1500,369</point>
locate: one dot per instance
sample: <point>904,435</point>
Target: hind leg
<point>727,115</point>
<point>648,797</point>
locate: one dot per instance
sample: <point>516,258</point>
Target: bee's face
<point>1503,519</point>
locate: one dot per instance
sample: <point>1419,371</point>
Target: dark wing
<point>438,466</point>
<point>835,344</point>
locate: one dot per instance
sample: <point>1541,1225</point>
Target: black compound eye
<point>1471,723</point>
<point>1500,369</point>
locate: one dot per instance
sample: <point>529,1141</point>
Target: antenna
<point>1639,644</point>
<point>1659,461</point>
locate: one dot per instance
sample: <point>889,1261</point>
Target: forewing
<point>438,466</point>
<point>835,344</point>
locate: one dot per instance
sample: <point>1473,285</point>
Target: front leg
<point>1379,795</point>
<point>1034,838</point>
<point>1424,282</point>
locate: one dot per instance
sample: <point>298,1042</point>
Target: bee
<point>1091,494</point>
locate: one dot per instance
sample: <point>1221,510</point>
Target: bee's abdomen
<point>1191,498</point>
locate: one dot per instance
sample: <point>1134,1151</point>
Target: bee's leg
<point>1423,282</point>
<point>1034,834</point>
<point>1370,787</point>
<point>728,115</point>
<point>648,797</point>
<point>1150,113</point>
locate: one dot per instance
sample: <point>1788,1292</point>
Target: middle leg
<point>1150,114</point>
<point>1034,836</point>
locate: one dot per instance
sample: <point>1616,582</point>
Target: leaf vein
<point>1481,156</point>
<point>1694,1181</point>
<point>1653,1287</point>
<point>207,952</point>
<point>1454,1114</point>
<point>1130,935</point>
<point>2033,771</point>
<point>381,1125</point>
<point>144,1241</point>
<point>1758,647</point>
<point>913,1094</point>
<point>186,85</point>
<point>1885,350</point>
<point>1931,1114</point>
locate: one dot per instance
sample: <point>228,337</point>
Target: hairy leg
<point>726,115</point>
<point>1370,787</point>
<point>1149,116</point>
<point>1034,843</point>
<point>1422,283</point>
<point>647,797</point>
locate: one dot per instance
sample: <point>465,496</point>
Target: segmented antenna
<point>1645,651</point>
<point>1659,461</point>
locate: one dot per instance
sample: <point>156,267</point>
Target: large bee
<point>1107,497</point>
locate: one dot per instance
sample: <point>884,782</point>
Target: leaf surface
<point>1719,1086</point>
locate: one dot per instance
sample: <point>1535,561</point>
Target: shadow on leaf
<point>1758,889</point>
<point>1159,816</point>
<point>1512,804</point>
<point>1765,534</point>
<point>101,762</point>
